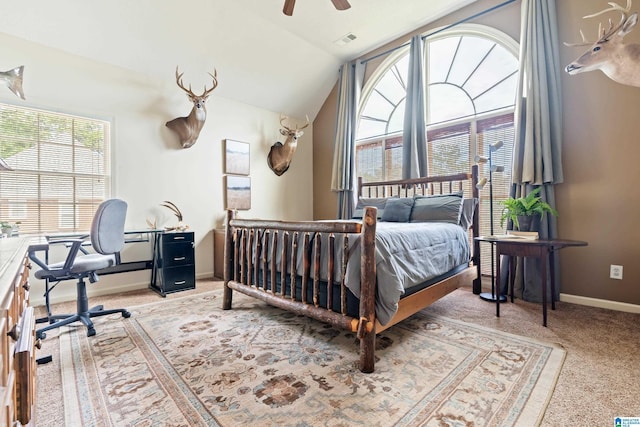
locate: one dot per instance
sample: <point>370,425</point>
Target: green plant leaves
<point>529,205</point>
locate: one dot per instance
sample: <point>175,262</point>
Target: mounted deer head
<point>13,80</point>
<point>280,155</point>
<point>619,61</point>
<point>188,128</point>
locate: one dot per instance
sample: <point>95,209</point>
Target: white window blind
<point>61,169</point>
<point>449,150</point>
<point>490,131</point>
<point>471,78</point>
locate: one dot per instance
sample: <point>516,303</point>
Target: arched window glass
<point>471,74</point>
<point>383,112</point>
<point>467,74</point>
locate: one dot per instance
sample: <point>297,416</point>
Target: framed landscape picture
<point>236,157</point>
<point>238,192</point>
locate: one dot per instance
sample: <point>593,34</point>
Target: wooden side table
<point>540,248</point>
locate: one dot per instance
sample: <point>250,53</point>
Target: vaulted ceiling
<point>263,58</point>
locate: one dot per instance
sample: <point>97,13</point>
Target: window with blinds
<point>61,169</point>
<point>470,80</point>
<point>449,151</point>
<point>489,131</point>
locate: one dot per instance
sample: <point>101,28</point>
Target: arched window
<point>471,74</point>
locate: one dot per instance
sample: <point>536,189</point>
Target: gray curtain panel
<point>414,138</point>
<point>344,150</point>
<point>537,160</point>
<point>538,146</point>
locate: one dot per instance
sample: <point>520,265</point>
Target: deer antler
<point>305,125</point>
<point>614,6</point>
<point>586,42</point>
<point>214,76</point>
<point>180,85</point>
<point>283,118</point>
<point>604,35</point>
<point>173,208</point>
<point>206,92</point>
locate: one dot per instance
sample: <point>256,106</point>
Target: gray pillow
<point>439,208</point>
<point>398,209</point>
<point>364,202</point>
<point>466,216</point>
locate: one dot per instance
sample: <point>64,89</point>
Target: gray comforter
<point>407,255</point>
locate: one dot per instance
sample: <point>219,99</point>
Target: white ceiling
<point>263,58</point>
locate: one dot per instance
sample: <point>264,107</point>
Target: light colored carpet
<point>597,383</point>
<point>188,362</point>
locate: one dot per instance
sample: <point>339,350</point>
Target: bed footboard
<point>252,249</point>
<point>262,259</point>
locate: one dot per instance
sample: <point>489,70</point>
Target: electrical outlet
<point>615,272</point>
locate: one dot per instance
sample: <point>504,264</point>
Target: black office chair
<point>107,239</point>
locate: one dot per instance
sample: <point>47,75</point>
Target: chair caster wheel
<point>41,335</point>
<point>126,314</point>
<point>91,332</point>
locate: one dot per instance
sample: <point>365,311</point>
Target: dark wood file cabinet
<point>174,263</point>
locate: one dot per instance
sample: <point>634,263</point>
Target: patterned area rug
<point>186,362</point>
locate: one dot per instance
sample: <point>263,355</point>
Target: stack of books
<point>529,235</point>
<point>516,235</point>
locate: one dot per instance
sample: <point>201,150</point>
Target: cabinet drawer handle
<point>26,286</point>
<point>181,282</point>
<point>180,258</point>
<point>178,237</point>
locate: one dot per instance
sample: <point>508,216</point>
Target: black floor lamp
<point>481,184</point>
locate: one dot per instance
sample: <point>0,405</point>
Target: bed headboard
<point>432,185</point>
<point>425,186</point>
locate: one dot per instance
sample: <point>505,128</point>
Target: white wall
<point>148,164</point>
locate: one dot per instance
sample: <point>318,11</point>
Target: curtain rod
<point>491,9</point>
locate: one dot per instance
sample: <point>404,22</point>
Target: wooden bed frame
<point>241,273</point>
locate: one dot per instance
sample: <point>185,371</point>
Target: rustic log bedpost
<point>229,260</point>
<point>366,326</point>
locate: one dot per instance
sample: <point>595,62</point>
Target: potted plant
<point>522,210</point>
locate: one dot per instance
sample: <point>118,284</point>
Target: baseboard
<point>205,275</point>
<point>601,303</point>
<point>591,302</point>
<point>68,294</point>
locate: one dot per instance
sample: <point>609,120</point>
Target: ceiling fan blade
<point>288,7</point>
<point>341,4</point>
